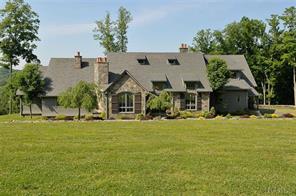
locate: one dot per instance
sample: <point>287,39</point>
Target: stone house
<point>127,79</point>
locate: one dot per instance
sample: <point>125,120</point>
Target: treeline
<point>269,47</point>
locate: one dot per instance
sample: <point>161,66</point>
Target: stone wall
<point>205,101</point>
<point>125,84</point>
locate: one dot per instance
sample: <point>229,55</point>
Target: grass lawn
<point>229,157</point>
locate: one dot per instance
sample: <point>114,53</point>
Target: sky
<point>158,25</point>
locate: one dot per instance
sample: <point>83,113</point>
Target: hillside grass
<point>230,157</point>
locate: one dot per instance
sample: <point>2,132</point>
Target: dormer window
<point>235,75</point>
<point>173,61</point>
<point>143,61</point>
<point>159,86</point>
<point>191,85</point>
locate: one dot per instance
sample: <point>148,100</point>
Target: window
<point>143,61</point>
<point>173,61</point>
<point>191,101</point>
<point>159,86</point>
<point>126,103</point>
<point>235,75</point>
<point>191,85</point>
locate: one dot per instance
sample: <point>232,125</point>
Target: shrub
<point>274,116</point>
<point>102,116</point>
<point>45,118</point>
<point>253,117</point>
<point>63,117</point>
<point>174,115</point>
<point>267,115</point>
<point>201,118</point>
<point>288,115</point>
<point>228,116</point>
<point>245,116</point>
<point>186,114</point>
<point>76,117</point>
<point>219,117</point>
<point>213,111</point>
<point>89,117</point>
<point>140,116</point>
<point>124,117</point>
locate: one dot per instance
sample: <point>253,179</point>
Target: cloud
<point>151,15</point>
<point>66,29</point>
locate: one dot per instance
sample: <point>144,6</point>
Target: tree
<point>289,42</point>
<point>83,95</point>
<point>18,31</point>
<point>8,90</point>
<point>111,35</point>
<point>204,41</point>
<point>124,17</point>
<point>104,33</point>
<point>218,73</point>
<point>31,83</point>
<point>159,103</point>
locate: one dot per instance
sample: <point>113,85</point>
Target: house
<point>127,80</point>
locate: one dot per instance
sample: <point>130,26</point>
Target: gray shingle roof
<point>61,73</point>
<point>190,63</point>
<point>237,62</point>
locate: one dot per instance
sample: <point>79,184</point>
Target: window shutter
<point>114,103</point>
<point>138,103</point>
<point>182,102</point>
<point>198,101</point>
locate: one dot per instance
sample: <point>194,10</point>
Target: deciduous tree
<point>83,95</point>
<point>19,26</point>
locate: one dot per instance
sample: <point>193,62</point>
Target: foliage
<point>204,41</point>
<point>124,18</point>
<point>186,114</point>
<point>60,117</point>
<point>288,115</point>
<point>270,49</point>
<point>19,26</point>
<point>18,31</point>
<point>140,116</point>
<point>89,117</point>
<point>228,116</point>
<point>274,115</point>
<point>31,83</point>
<point>111,35</point>
<point>267,115</point>
<point>82,95</point>
<point>218,73</point>
<point>7,91</point>
<point>103,116</point>
<point>159,103</point>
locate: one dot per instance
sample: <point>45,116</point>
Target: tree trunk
<point>264,93</point>
<point>269,93</point>
<point>79,113</point>
<point>294,78</point>
<point>10,96</point>
<point>30,110</point>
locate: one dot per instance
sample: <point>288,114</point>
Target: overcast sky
<point>158,25</point>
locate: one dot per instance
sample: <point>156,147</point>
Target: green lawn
<point>229,157</point>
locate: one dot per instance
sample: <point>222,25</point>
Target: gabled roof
<point>61,74</point>
<point>159,68</point>
<point>237,62</point>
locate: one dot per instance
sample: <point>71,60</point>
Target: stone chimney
<point>78,61</point>
<point>184,48</point>
<point>101,71</point>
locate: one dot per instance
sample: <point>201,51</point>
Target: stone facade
<point>205,101</point>
<point>125,84</point>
